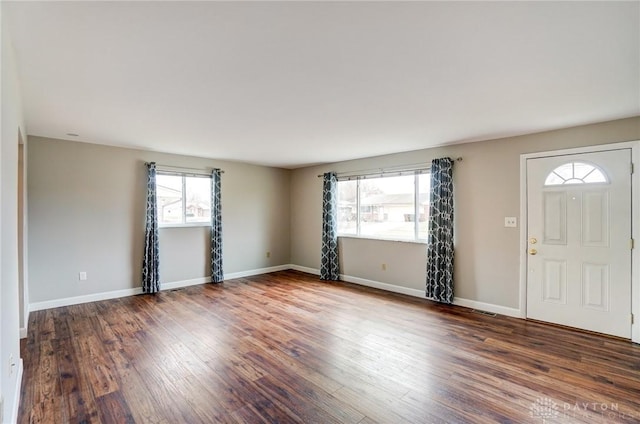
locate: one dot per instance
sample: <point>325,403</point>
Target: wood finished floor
<point>286,347</point>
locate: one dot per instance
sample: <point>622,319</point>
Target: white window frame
<point>595,167</point>
<point>184,222</point>
<point>416,204</point>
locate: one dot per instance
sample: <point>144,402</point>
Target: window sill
<point>190,225</point>
<point>424,242</point>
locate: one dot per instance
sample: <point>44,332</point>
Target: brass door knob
<point>533,251</point>
<point>533,240</point>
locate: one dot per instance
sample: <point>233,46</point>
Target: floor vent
<point>489,314</point>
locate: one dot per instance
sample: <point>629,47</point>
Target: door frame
<point>635,218</point>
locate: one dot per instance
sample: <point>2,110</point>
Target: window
<point>575,173</point>
<point>387,207</point>
<point>183,199</point>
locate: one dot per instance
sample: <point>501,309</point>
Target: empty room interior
<point>320,212</point>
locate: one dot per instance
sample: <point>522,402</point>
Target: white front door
<point>579,241</point>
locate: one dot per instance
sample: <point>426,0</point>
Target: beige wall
<point>12,124</point>
<point>487,188</point>
<point>86,205</point>
<point>86,213</point>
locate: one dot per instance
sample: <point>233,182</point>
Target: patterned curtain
<point>440,242</point>
<point>217,275</point>
<point>329,266</point>
<point>150,263</point>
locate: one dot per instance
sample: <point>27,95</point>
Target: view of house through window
<point>183,199</point>
<point>387,207</point>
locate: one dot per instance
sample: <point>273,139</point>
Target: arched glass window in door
<point>576,173</point>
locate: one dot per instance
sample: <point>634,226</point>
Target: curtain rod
<point>400,168</point>
<point>185,168</point>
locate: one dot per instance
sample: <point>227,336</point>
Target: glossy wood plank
<point>287,347</point>
<point>113,408</point>
<point>77,396</point>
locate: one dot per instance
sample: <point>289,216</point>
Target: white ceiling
<point>296,83</point>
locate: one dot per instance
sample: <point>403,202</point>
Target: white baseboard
<point>16,395</point>
<point>488,307</point>
<point>67,301</point>
<point>56,303</point>
<point>473,304</point>
<point>304,269</point>
<point>364,282</point>
<point>184,283</point>
<point>257,271</point>
<point>383,286</point>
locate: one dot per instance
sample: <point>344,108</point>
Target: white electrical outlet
<point>82,276</point>
<point>510,221</point>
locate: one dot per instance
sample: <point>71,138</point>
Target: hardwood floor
<point>286,347</point>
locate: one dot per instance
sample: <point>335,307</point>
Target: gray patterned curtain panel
<point>440,241</point>
<point>329,266</point>
<point>217,275</point>
<point>150,263</point>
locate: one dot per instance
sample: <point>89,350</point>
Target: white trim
<point>16,395</point>
<point>185,225</point>
<point>67,301</point>
<point>177,170</point>
<point>383,286</point>
<point>308,270</point>
<point>23,333</point>
<point>522,298</point>
<point>414,241</point>
<point>257,271</point>
<point>635,218</point>
<point>364,282</point>
<point>184,283</point>
<point>635,233</point>
<point>578,150</point>
<point>56,303</point>
<point>473,304</point>
<point>487,307</point>
<point>394,171</point>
